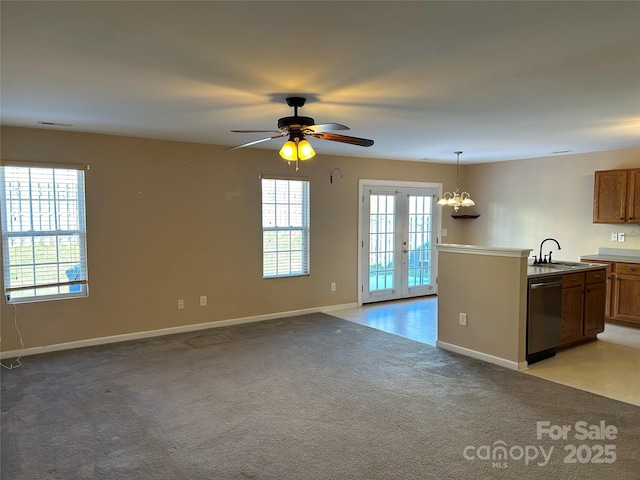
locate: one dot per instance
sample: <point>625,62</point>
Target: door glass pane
<point>381,242</point>
<point>420,221</point>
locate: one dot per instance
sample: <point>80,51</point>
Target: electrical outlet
<point>463,319</point>
<point>621,237</point>
<point>333,286</point>
<point>614,237</point>
<point>444,232</point>
<point>203,300</point>
<point>180,304</point>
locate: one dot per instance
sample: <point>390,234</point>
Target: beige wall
<point>522,202</point>
<point>492,291</point>
<point>169,220</point>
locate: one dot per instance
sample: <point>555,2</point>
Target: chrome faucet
<point>539,260</point>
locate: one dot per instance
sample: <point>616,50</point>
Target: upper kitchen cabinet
<point>616,197</point>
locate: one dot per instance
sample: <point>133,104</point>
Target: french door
<point>398,229</point>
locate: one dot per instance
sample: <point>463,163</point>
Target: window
<point>285,227</point>
<point>43,232</point>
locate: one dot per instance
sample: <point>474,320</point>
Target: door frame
<point>365,183</point>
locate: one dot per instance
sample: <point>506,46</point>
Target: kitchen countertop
<point>611,258</point>
<point>534,271</point>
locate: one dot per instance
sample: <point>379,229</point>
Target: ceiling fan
<point>297,148</point>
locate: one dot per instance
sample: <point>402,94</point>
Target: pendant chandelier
<point>456,199</point>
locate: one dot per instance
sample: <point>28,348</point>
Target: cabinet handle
<point>596,276</point>
<point>631,269</point>
<point>630,218</point>
<point>622,218</point>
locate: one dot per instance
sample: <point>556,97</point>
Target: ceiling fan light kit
<point>294,150</point>
<point>305,150</point>
<point>456,199</point>
<point>289,150</point>
<point>297,147</point>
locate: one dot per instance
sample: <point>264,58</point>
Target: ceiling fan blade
<point>325,127</point>
<point>334,137</point>
<point>255,131</point>
<point>248,144</point>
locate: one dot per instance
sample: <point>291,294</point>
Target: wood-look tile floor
<point>416,319</point>
<point>609,366</point>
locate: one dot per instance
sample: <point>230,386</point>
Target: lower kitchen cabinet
<point>622,295</point>
<point>572,307</point>
<point>626,292</point>
<point>583,306</point>
<point>595,297</point>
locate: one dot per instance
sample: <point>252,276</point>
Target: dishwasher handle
<point>546,285</point>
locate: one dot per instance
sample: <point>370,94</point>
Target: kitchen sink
<point>563,265</point>
<point>559,267</point>
<point>568,264</point>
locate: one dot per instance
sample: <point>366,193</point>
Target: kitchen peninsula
<point>489,285</point>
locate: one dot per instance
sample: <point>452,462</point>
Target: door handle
<point>405,250</point>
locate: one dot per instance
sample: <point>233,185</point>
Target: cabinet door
<point>626,297</point>
<point>610,196</point>
<point>633,196</point>
<point>594,304</point>
<point>572,311</point>
<point>608,307</point>
<point>610,280</point>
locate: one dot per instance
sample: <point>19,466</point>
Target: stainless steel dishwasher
<point>544,317</point>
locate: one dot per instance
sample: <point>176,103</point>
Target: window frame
<point>304,228</point>
<point>41,291</point>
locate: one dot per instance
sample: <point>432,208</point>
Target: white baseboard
<point>503,362</point>
<point>167,331</point>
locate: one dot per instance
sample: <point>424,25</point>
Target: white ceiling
<point>498,80</point>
